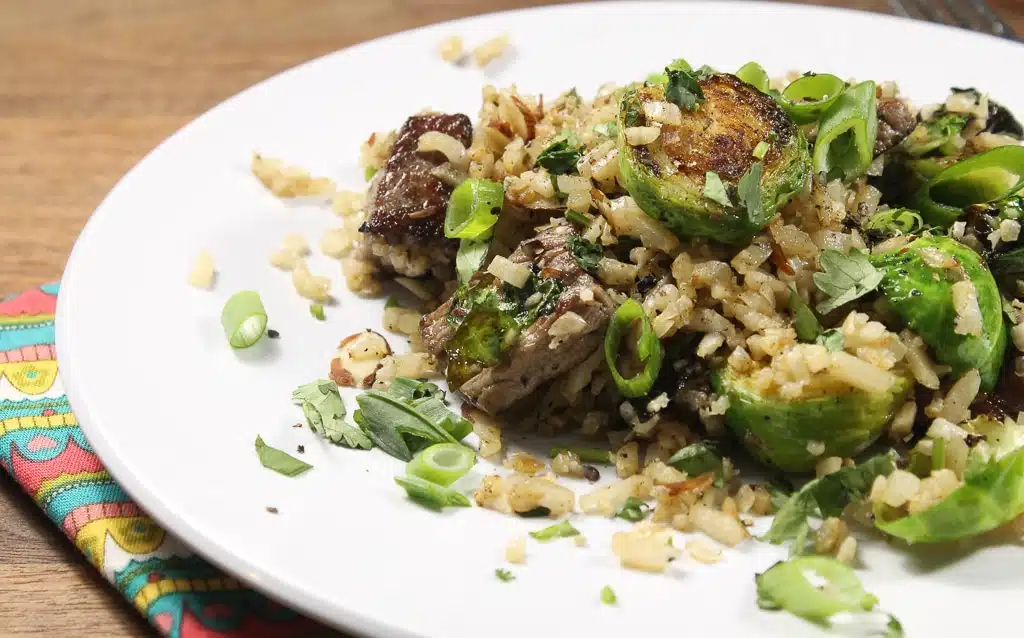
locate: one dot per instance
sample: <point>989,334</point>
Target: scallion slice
<point>442,464</point>
<point>244,319</point>
<point>577,217</point>
<point>754,74</point>
<point>430,494</point>
<point>985,177</point>
<point>846,134</point>
<point>585,454</point>
<point>649,349</point>
<point>788,586</point>
<point>473,208</point>
<point>562,529</point>
<point>761,150</point>
<point>808,97</point>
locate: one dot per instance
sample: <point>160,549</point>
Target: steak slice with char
<point>895,122</point>
<point>537,356</point>
<point>407,202</point>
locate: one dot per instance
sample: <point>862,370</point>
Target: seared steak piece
<point>435,329</point>
<point>405,225</point>
<point>536,356</point>
<point>895,122</point>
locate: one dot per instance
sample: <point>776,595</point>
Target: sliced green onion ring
<point>845,146</point>
<point>754,74</point>
<point>788,585</point>
<point>473,208</point>
<point>985,177</point>
<point>896,221</point>
<point>442,464</point>
<point>649,349</point>
<point>244,319</point>
<point>808,97</point>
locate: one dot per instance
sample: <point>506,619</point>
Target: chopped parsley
<point>845,278</point>
<point>325,414</point>
<point>804,322</point>
<point>633,510</point>
<point>715,190</point>
<point>562,154</point>
<point>826,496</point>
<point>683,89</point>
<point>748,190</point>
<point>279,460</point>
<point>504,575</point>
<point>831,339</point>
<point>587,254</point>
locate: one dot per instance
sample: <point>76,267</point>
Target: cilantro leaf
<point>845,278</point>
<point>633,510</point>
<point>278,460</point>
<point>748,190</point>
<point>698,458</point>
<point>325,414</point>
<point>471,256</point>
<point>804,322</point>
<point>586,253</point>
<point>824,497</point>
<point>831,339</point>
<point>504,575</point>
<point>715,190</point>
<point>560,157</point>
<point>683,90</point>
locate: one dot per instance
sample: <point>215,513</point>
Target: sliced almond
<point>357,359</point>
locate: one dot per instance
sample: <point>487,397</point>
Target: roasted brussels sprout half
<point>783,433</point>
<point>921,286</point>
<point>702,175</point>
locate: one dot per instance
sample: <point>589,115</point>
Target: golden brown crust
<point>721,133</point>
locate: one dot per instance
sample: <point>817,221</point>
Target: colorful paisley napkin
<point>45,451</point>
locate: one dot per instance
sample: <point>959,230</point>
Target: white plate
<point>173,411</point>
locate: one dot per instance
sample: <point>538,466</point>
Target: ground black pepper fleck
<point>273,334</point>
<point>302,449</point>
<point>272,510</point>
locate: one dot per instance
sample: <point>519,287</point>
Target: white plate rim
<point>219,554</point>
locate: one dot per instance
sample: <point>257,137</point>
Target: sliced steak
<point>537,356</point>
<point>895,122</point>
<point>435,330</point>
<point>408,202</point>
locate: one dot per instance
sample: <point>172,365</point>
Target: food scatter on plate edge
<point>684,270</point>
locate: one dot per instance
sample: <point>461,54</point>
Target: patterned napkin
<point>45,451</point>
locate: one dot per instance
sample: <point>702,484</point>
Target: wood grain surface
<point>87,87</point>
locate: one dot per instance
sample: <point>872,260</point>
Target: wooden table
<point>86,88</point>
